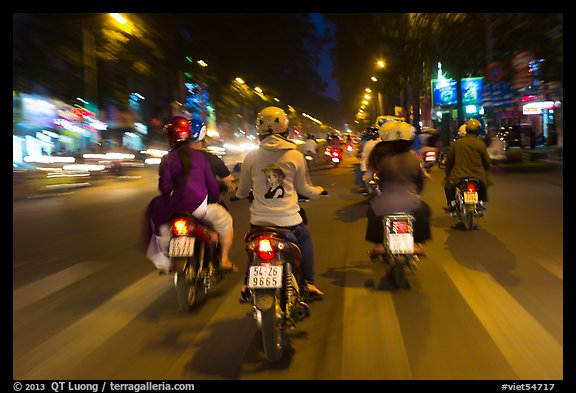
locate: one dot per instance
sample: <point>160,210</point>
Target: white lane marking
<point>78,341</point>
<point>530,350</point>
<point>44,287</point>
<point>360,305</point>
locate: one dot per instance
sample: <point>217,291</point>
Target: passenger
<point>400,180</point>
<point>467,157</point>
<point>276,173</point>
<point>185,182</point>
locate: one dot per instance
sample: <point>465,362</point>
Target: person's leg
<point>375,231</point>
<point>483,193</point>
<point>221,219</point>
<point>307,264</point>
<point>450,193</point>
<point>422,223</point>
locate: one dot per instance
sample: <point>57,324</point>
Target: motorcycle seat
<point>283,233</point>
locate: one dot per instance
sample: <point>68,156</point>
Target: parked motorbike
<point>333,155</point>
<point>399,245</point>
<point>194,259</point>
<point>467,205</point>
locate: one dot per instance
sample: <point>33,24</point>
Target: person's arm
<point>228,181</point>
<point>164,177</point>
<point>486,160</point>
<point>301,180</point>
<point>245,179</point>
<point>211,182</point>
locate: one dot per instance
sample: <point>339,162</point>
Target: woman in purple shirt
<point>185,181</point>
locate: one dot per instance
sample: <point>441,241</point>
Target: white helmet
<point>271,120</point>
<point>396,130</point>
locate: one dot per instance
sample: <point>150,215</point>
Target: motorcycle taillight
<point>430,153</point>
<point>181,227</point>
<point>335,153</point>
<point>470,187</point>
<point>264,249</point>
<point>400,227</point>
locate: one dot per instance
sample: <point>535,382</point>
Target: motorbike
<point>194,259</point>
<point>399,245</point>
<point>350,149</point>
<point>310,158</point>
<point>467,205</point>
<point>278,294</point>
<point>429,157</point>
<point>333,155</point>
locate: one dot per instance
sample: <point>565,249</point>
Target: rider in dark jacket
<point>467,157</point>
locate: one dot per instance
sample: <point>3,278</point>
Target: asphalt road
<point>484,305</point>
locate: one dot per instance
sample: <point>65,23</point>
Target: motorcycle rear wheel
<point>186,288</point>
<point>395,274</point>
<point>272,330</point>
<point>468,217</point>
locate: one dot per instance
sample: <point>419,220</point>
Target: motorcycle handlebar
<point>301,198</point>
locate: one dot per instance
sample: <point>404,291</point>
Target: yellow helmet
<point>271,120</point>
<point>473,126</point>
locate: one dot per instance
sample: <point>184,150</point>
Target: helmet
<point>396,130</point>
<point>462,130</point>
<point>473,126</point>
<point>198,130</point>
<point>177,129</point>
<point>271,120</point>
<point>371,132</point>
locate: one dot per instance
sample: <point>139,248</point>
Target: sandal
<point>373,254</point>
<point>418,250</point>
<point>245,295</point>
<point>313,291</point>
<point>232,268</point>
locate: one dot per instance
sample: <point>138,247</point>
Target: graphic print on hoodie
<point>274,178</point>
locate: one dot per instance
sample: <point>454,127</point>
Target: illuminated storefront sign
<point>444,92</point>
<point>471,89</point>
<point>535,108</point>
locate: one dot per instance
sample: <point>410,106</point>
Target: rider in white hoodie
<point>276,173</point>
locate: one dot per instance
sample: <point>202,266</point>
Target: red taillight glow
<point>471,187</point>
<point>400,227</point>
<point>430,154</point>
<point>181,227</point>
<point>335,153</point>
<point>264,249</point>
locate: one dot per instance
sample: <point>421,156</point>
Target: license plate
<point>181,246</point>
<point>401,243</point>
<point>430,158</point>
<point>265,277</point>
<point>470,197</point>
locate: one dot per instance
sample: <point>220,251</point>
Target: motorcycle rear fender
<point>179,264</point>
<point>264,298</point>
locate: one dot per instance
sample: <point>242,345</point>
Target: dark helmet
<point>177,129</point>
<point>371,132</point>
